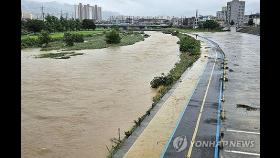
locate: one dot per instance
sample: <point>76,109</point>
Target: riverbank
<point>152,140</point>
<point>92,40</point>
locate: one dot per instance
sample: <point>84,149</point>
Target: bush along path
<point>190,52</point>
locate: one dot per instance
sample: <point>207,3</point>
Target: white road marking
<point>238,131</point>
<point>241,152</point>
<point>201,109</point>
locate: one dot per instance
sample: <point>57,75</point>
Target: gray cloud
<point>164,7</point>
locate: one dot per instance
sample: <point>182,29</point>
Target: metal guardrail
<point>220,114</point>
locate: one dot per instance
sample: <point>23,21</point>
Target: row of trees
<point>54,24</point>
<point>209,24</point>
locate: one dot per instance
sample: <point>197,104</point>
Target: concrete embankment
<point>152,140</point>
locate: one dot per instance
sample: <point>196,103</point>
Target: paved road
<point>198,121</point>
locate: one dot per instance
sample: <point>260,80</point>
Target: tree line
<point>54,24</point>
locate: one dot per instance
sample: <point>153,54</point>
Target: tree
<point>232,22</point>
<point>115,27</point>
<point>210,24</point>
<point>34,25</point>
<point>113,37</point>
<point>44,38</point>
<point>88,24</point>
<point>78,24</point>
<point>64,24</point>
<point>52,24</point>
<point>71,24</point>
<point>250,22</point>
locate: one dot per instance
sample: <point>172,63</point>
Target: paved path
<point>198,121</point>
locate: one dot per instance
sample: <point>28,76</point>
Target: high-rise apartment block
<point>235,12</point>
<point>88,12</point>
<point>222,15</point>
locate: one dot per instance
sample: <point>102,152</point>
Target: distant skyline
<point>162,7</point>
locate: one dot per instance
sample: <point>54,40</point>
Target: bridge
<point>125,26</point>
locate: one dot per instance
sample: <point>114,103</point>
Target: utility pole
<point>43,14</point>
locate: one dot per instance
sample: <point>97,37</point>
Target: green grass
<point>59,35</point>
<point>95,42</point>
<point>95,39</point>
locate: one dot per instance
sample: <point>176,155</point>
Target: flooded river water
<point>72,107</point>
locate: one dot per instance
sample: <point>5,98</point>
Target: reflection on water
<point>71,108</point>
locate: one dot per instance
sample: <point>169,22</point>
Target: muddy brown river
<point>72,107</point>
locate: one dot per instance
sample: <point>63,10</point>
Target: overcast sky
<point>163,7</point>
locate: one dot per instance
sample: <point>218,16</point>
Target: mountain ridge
<point>56,8</point>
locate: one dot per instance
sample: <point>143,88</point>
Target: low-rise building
<point>26,15</point>
<point>256,18</point>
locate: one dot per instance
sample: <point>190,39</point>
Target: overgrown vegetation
<point>96,42</point>
<point>190,45</point>
<point>44,38</point>
<point>113,37</point>
<point>190,51</point>
<point>70,38</point>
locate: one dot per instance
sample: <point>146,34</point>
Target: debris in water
<point>60,55</point>
<point>247,107</point>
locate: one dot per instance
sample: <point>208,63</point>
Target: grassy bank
<point>31,40</point>
<point>59,35</point>
<point>93,40</point>
<point>96,42</point>
<point>190,52</point>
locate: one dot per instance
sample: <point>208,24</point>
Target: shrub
<point>44,38</point>
<point>127,134</point>
<point>113,37</point>
<point>79,38</point>
<point>29,42</point>
<point>161,80</point>
<point>68,39</point>
<point>175,33</point>
<point>190,45</point>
